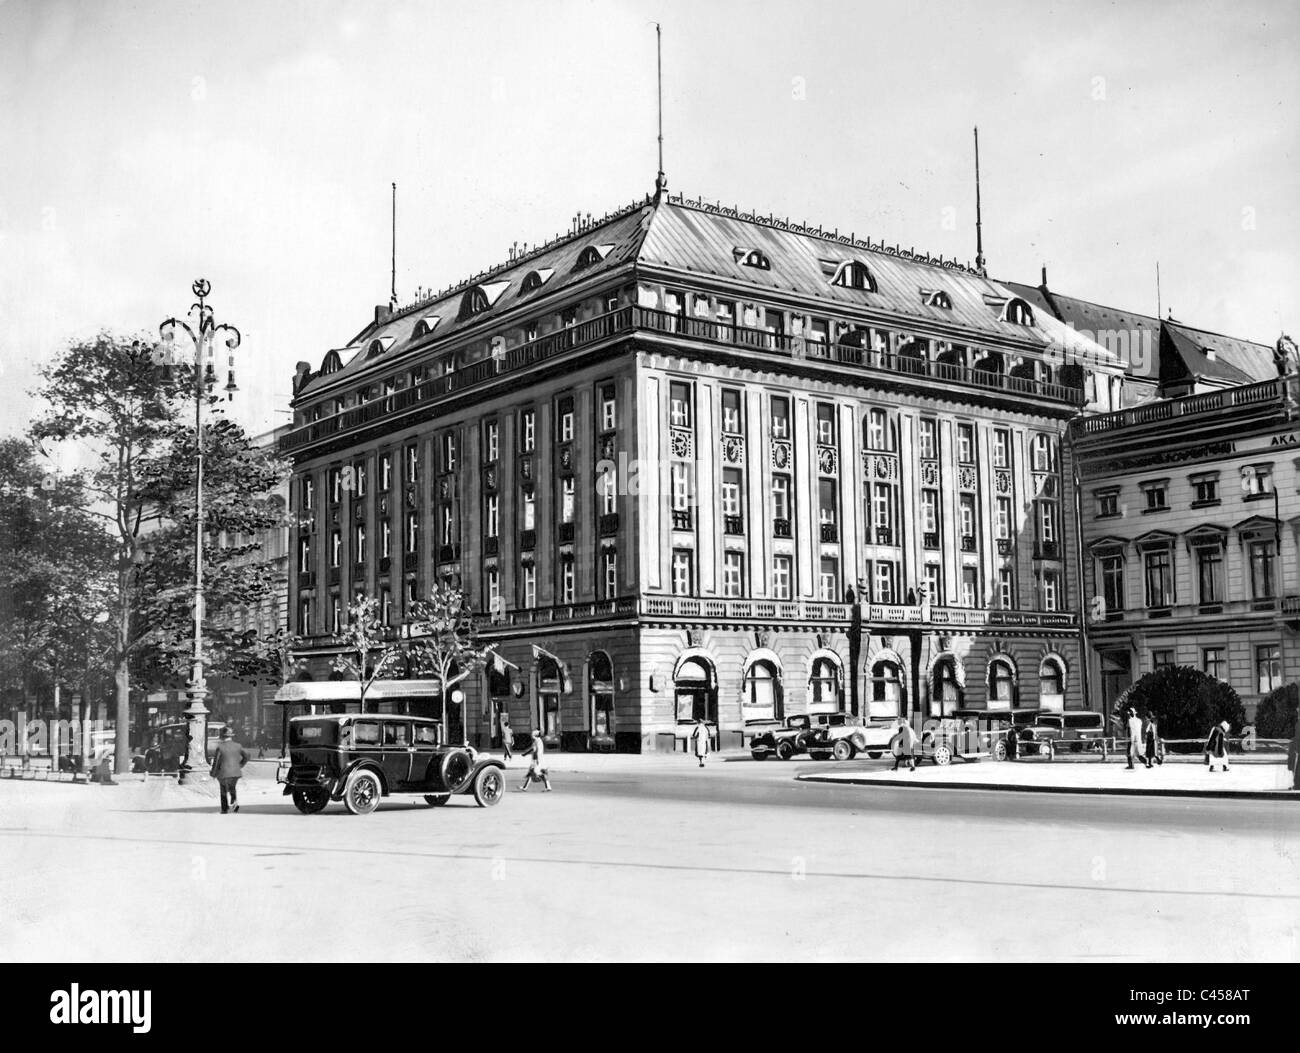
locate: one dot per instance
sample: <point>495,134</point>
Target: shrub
<point>1275,718</point>
<point>1185,702</point>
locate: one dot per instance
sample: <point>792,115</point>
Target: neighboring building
<point>1191,525</point>
<point>1162,358</point>
<point>666,453</point>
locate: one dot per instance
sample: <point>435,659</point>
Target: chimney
<point>383,312</point>
<point>1044,277</point>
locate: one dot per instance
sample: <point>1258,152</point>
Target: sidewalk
<point>1180,778</point>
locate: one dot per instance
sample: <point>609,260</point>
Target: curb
<point>1012,787</point>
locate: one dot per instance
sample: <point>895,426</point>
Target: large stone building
<point>669,453</point>
<point>1191,526</point>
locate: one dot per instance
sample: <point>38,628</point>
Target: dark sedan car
<point>360,758</point>
<point>789,738</point>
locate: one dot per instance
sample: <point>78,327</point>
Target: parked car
<point>789,738</point>
<point>952,738</point>
<point>1052,732</point>
<point>845,736</point>
<point>360,758</point>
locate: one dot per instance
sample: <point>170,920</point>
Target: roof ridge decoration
<point>833,236</point>
<point>518,258</point>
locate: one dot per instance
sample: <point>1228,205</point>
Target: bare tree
<point>365,636</point>
<point>444,637</point>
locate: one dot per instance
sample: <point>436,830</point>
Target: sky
<point>145,144</point>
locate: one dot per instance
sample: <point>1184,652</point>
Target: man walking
<point>1134,737</point>
<point>228,762</point>
<point>537,770</point>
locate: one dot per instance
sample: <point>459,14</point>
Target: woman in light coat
<point>700,740</point>
<point>903,745</point>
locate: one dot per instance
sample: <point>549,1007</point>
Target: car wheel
<point>309,802</point>
<point>842,750</point>
<point>436,800</point>
<point>362,793</point>
<point>999,751</point>
<point>875,754</point>
<point>943,755</point>
<point>784,750</point>
<point>489,785</point>
<point>456,770</point>
<point>758,754</point>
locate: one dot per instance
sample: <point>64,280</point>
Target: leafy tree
<point>366,637</point>
<point>127,409</point>
<point>1185,702</point>
<point>56,565</point>
<point>444,637</point>
<point>1275,718</point>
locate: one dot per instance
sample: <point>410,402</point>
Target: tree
<point>444,637</point>
<point>1275,717</point>
<point>1185,701</point>
<point>127,409</point>
<point>364,636</point>
<point>56,564</point>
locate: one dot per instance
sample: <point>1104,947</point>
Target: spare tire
<point>456,770</point>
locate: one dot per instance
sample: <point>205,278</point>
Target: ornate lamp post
<point>203,335</point>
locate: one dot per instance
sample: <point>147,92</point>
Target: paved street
<point>648,858</point>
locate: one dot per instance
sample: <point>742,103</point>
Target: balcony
<point>830,532</point>
<point>306,580</point>
<point>565,533</point>
<point>411,561</point>
<point>335,574</point>
<point>733,525</point>
<point>968,543</point>
<point>385,564</point>
<point>781,528</point>
<point>448,553</point>
<point>1004,546</point>
<point>491,545</point>
<point>527,539</point>
<point>930,539</point>
<point>1047,550</point>
<point>884,536</point>
<point>681,519</point>
<point>358,573</point>
<point>608,524</point>
<point>1268,391</point>
<point>631,319</point>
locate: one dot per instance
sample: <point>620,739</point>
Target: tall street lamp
<point>203,335</point>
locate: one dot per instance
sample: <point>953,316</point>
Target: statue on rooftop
<point>1286,356</point>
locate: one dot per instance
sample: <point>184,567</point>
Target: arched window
<point>756,259</point>
<point>946,686</point>
<point>1018,312</point>
<point>474,302</point>
<point>591,255</point>
<point>886,689</point>
<point>696,687</point>
<point>379,345</point>
<point>1051,684</point>
<point>600,684</point>
<point>1002,684</point>
<point>825,693</point>
<point>938,298</point>
<point>854,274</point>
<point>534,280</point>
<point>762,692</point>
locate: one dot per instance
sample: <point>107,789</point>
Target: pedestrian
<point>228,761</point>
<point>1153,746</point>
<point>903,745</point>
<point>1216,746</point>
<point>1293,757</point>
<point>700,740</point>
<point>537,769</point>
<point>507,735</point>
<point>1134,737</point>
<point>1013,743</point>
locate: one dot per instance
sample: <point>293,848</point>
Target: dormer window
<point>534,280</point>
<point>1017,312</point>
<point>854,274</point>
<point>425,326</point>
<point>592,255</point>
<point>480,298</point>
<point>331,364</point>
<point>752,258</point>
<point>936,298</point>
<point>379,345</point>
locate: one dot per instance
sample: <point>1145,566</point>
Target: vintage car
<point>359,758</point>
<point>1051,733</point>
<point>845,736</point>
<point>785,740</point>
